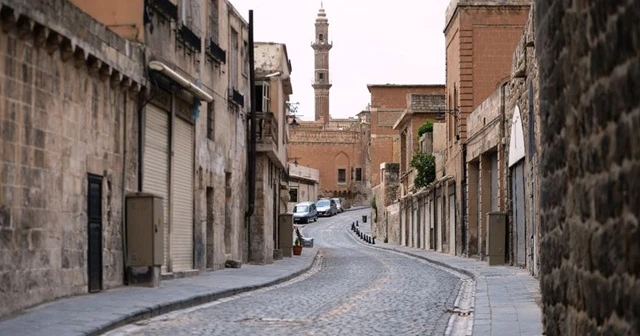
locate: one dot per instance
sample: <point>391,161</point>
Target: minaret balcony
<point>322,45</point>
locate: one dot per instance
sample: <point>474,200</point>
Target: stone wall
<point>589,166</point>
<point>386,194</point>
<point>61,119</point>
<point>522,91</point>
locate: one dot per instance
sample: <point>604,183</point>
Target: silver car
<point>338,205</point>
<point>305,212</point>
<point>326,207</point>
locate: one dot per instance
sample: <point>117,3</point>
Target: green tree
<point>427,127</point>
<point>425,165</point>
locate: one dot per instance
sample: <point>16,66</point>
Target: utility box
<point>285,234</point>
<point>145,230</point>
<point>496,238</point>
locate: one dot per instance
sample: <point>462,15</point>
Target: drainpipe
<point>464,201</point>
<point>252,138</point>
<point>123,227</point>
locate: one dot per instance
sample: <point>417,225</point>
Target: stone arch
<point>516,140</point>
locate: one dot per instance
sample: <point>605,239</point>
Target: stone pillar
<point>484,205</point>
<point>473,174</point>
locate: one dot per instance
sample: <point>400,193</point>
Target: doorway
<point>94,231</point>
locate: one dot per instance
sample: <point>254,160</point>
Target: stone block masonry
<point>67,109</point>
<point>590,163</point>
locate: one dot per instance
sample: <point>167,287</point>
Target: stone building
<point>194,127</point>
<point>480,38</point>
<point>272,89</point>
<point>589,166</point>
<point>69,125</point>
<point>303,184</point>
<point>335,147</point>
<point>87,136</point>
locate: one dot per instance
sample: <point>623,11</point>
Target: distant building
<point>335,147</point>
<point>303,184</point>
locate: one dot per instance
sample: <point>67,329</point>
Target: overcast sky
<point>374,42</point>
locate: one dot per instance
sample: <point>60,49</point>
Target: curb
<point>466,272</point>
<point>149,312</point>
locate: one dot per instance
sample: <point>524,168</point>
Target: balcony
<point>237,97</point>
<point>217,53</point>
<point>165,8</point>
<point>190,38</point>
<point>267,134</point>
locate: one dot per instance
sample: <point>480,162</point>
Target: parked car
<point>326,207</point>
<point>305,212</point>
<point>338,205</point>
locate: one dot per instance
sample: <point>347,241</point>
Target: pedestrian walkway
<point>507,299</point>
<point>94,314</point>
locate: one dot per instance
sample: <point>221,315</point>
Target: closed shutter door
<point>156,165</point>
<point>452,224</point>
<point>517,183</point>
<point>182,211</point>
<point>439,230</point>
<point>495,198</point>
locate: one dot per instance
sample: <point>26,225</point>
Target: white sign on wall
<point>516,141</point>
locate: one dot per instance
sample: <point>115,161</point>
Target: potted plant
<point>297,248</point>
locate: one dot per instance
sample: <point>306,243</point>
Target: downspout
<point>464,201</point>
<point>252,138</point>
<point>141,104</point>
<point>123,227</point>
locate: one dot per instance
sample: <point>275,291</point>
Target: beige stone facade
<point>272,89</point>
<point>303,184</point>
<point>90,116</point>
<point>68,111</point>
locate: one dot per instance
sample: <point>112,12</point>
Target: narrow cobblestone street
<point>353,290</point>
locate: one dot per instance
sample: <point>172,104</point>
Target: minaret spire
<point>322,82</point>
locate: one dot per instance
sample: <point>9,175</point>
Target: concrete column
<point>473,174</point>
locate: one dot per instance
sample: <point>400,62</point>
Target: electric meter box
<point>145,230</point>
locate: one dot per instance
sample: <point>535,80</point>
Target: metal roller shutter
<point>156,164</point>
<point>182,197</point>
<point>517,184</point>
<point>439,229</point>
<point>452,224</point>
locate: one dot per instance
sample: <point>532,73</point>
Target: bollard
<point>373,240</point>
<point>367,239</point>
<point>357,223</point>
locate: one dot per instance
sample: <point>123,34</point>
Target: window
<point>321,37</point>
<point>358,174</point>
<point>190,15</point>
<point>210,121</point>
<point>233,64</point>
<point>342,175</point>
<point>293,197</point>
<point>213,20</point>
<point>245,59</point>
<point>263,97</point>
<point>320,76</point>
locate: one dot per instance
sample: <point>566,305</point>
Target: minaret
<point>322,83</point>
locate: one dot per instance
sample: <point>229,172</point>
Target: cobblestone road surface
<point>354,290</point>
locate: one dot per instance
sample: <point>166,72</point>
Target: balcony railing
<point>190,38</point>
<point>216,52</point>
<point>237,97</point>
<point>267,128</point>
<point>164,7</point>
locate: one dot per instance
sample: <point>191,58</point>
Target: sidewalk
<point>507,299</point>
<point>93,314</point>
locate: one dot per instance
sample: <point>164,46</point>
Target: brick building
<point>589,166</point>
<point>388,103</point>
<point>335,147</point>
<point>480,39</point>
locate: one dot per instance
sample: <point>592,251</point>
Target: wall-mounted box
<point>145,230</point>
